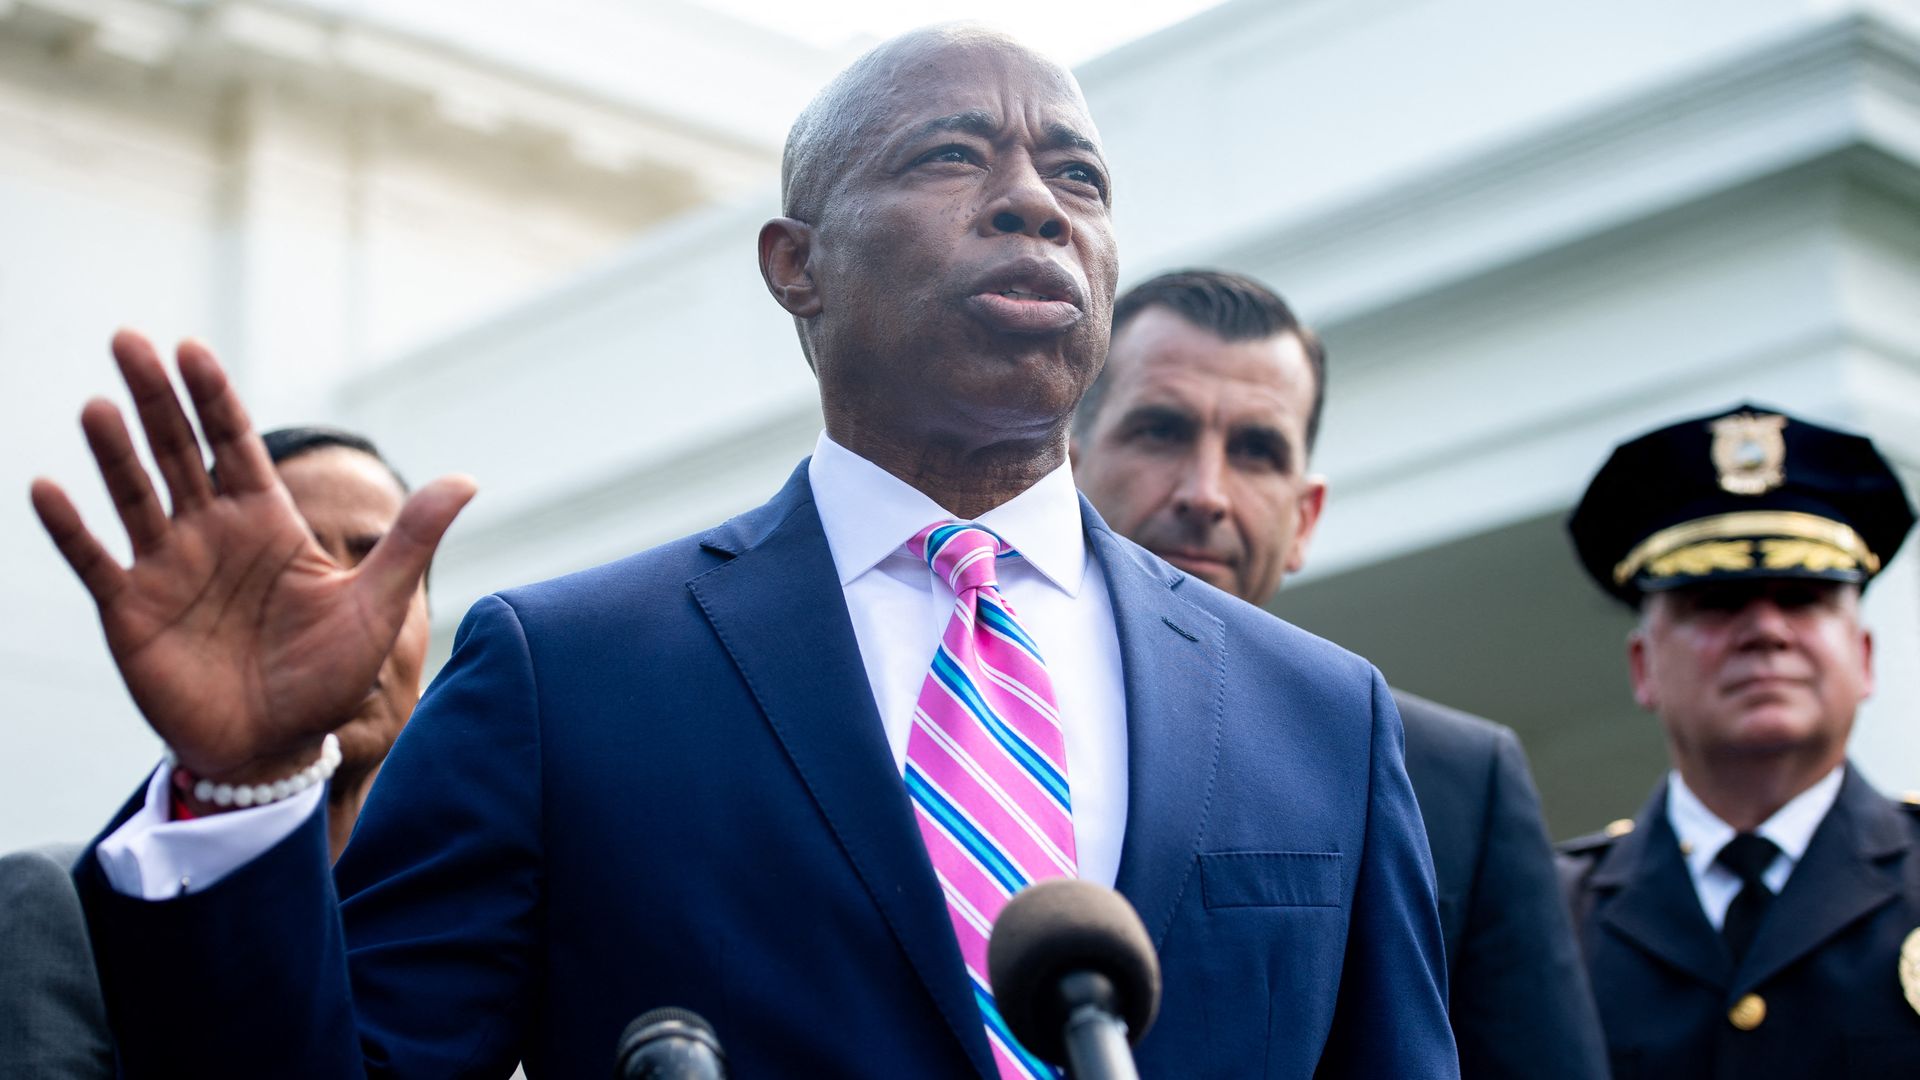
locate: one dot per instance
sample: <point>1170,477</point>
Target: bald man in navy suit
<point>676,779</point>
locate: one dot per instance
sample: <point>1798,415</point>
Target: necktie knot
<point>1748,855</point>
<point>962,553</point>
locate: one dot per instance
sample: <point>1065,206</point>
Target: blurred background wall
<point>516,240</point>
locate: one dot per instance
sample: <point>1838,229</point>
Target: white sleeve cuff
<point>154,858</point>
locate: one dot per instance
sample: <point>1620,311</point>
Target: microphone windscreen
<point>1060,927</point>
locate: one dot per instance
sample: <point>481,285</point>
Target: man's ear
<point>1866,660</point>
<point>786,264</point>
<point>1638,671</point>
<point>1313,499</point>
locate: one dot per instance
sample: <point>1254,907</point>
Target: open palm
<point>240,640</point>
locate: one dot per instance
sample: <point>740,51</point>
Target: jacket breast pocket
<point>1255,879</point>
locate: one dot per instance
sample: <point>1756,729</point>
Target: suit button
<point>1748,1013</point>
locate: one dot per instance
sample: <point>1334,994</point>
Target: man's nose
<point>1025,204</point>
<point>1201,496</point>
<point>1764,625</point>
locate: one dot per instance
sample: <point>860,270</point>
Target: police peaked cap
<point>1748,493</point>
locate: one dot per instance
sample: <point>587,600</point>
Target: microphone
<point>1075,976</point>
<point>669,1044</point>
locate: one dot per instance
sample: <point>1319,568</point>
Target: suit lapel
<point>1845,874</point>
<point>1654,905</point>
<point>817,701</point>
<point>1172,658</point>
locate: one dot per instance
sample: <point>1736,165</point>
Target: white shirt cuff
<point>154,858</point>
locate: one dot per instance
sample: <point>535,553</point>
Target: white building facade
<point>312,190</point>
<point>1526,230</point>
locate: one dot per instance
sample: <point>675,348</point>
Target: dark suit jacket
<point>664,782</point>
<point>53,1024</point>
<point>1824,961</point>
<point>1521,1007</point>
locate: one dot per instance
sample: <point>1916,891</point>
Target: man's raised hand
<point>241,642</point>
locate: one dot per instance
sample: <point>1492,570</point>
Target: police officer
<point>1761,916</point>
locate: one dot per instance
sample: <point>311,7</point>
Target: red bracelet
<point>178,791</point>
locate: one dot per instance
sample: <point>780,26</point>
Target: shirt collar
<point>1702,834</point>
<point>868,514</point>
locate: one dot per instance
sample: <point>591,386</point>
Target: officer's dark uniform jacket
<point>1819,995</point>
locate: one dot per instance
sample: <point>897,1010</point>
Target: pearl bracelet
<point>261,794</point>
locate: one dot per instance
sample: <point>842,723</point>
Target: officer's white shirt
<point>1702,834</point>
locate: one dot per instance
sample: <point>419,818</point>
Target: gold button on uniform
<point>1748,1013</point>
<point>1619,828</point>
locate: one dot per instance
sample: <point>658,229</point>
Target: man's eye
<point>1081,173</point>
<point>951,153</point>
<point>1709,600</point>
<point>1264,452</point>
<point>1160,431</point>
<point>1800,596</point>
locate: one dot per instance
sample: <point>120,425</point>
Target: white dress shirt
<point>899,610</point>
<point>1702,834</point>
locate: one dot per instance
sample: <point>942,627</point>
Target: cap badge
<point>1749,452</point>
<point>1910,968</point>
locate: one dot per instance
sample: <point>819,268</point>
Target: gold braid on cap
<point>1798,542</point>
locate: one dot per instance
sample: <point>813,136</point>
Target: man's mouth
<point>1026,296</point>
<point>1764,682</point>
<point>1199,563</point>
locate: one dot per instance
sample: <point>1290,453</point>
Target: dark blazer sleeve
<point>1390,1018</point>
<point>1521,1004</point>
<point>53,1024</point>
<point>247,978</point>
<point>438,892</point>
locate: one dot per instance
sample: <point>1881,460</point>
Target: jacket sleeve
<point>421,965</point>
<point>1521,1004</point>
<point>1390,1018</point>
<point>52,1022</point>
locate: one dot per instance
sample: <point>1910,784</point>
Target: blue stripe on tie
<point>938,538</point>
<point>990,1013</point>
<point>990,858</point>
<point>996,617</point>
<point>955,678</point>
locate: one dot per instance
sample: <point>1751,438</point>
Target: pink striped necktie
<point>987,763</point>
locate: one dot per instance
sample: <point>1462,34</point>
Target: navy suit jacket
<point>664,782</point>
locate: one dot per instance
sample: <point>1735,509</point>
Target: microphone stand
<point>1096,1036</point>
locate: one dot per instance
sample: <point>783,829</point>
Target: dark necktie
<point>1748,855</point>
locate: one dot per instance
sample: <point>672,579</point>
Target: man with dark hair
<point>1196,443</point>
<point>1233,308</point>
<point>53,1022</point>
<point>786,772</point>
<point>1761,916</point>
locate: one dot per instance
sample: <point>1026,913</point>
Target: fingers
<point>126,479</point>
<point>96,569</point>
<point>238,455</point>
<point>175,448</point>
<point>392,569</point>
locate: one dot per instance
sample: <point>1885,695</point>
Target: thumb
<point>391,571</point>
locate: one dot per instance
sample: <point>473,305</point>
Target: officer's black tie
<point>1748,855</point>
